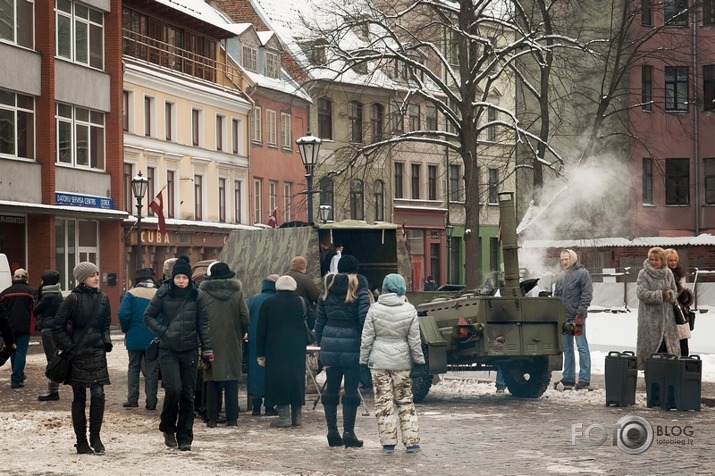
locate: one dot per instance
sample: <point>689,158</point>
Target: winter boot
<point>296,415</point>
<point>79,423</point>
<point>256,407</point>
<point>96,416</point>
<point>283,420</point>
<point>330,406</point>
<point>350,406</point>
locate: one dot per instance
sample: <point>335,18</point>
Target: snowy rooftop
<point>663,241</point>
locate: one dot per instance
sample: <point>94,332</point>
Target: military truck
<point>254,254</point>
<point>519,334</point>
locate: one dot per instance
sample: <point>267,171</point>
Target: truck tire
<point>423,382</point>
<point>528,378</point>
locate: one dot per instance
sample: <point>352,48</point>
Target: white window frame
<point>76,123</point>
<point>256,125</point>
<point>149,116</point>
<point>271,126</point>
<point>273,65</point>
<point>23,18</point>
<point>75,15</point>
<point>198,126</point>
<point>286,131</point>
<point>220,132</point>
<point>287,202</point>
<point>257,208</point>
<point>16,110</point>
<point>249,56</point>
<point>170,128</point>
<point>236,135</point>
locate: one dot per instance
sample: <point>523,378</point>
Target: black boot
<point>350,406</point>
<point>256,406</point>
<point>96,416</point>
<point>79,423</point>
<point>330,406</point>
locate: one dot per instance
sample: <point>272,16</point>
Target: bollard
<point>689,380</point>
<point>621,377</point>
<point>661,375</point>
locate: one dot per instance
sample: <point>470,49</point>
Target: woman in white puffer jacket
<point>390,344</point>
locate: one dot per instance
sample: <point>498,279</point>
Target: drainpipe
<point>696,132</point>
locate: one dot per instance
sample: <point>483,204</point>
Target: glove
<point>261,361</point>
<point>207,358</point>
<point>666,295</point>
<point>108,346</point>
<point>418,370</point>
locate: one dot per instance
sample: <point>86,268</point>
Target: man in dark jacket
<point>49,299</point>
<point>305,285</point>
<point>18,300</point>
<point>8,347</point>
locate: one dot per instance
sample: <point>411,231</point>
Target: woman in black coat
<point>338,328</point>
<point>88,313</point>
<point>280,347</point>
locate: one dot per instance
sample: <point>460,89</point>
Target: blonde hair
<point>353,285</point>
<point>659,252</point>
<point>671,251</point>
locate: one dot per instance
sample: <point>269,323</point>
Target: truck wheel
<point>528,379</point>
<point>422,383</point>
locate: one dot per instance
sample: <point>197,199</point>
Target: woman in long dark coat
<point>256,384</point>
<point>87,308</point>
<point>281,342</point>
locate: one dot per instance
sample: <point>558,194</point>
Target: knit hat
<point>20,275</point>
<point>219,270</point>
<point>50,277</point>
<point>394,283</point>
<point>348,264</point>
<point>286,283</point>
<point>168,266</point>
<point>83,271</point>
<point>181,266</point>
<point>144,274</point>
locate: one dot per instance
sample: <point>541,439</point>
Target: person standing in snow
<point>685,297</point>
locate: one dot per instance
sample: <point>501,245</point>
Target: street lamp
<point>449,229</point>
<point>309,147</point>
<point>139,187</point>
<point>324,211</point>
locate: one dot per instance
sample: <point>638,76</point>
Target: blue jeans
<point>18,359</point>
<point>499,381</point>
<point>584,358</point>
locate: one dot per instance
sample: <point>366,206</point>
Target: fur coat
<point>656,322</point>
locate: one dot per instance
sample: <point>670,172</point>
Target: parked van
<point>5,273</point>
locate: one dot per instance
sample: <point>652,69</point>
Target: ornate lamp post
<point>324,211</point>
<point>309,146</point>
<point>140,184</point>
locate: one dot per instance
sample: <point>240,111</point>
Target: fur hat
<point>50,277</point>
<point>83,271</point>
<point>144,274</point>
<point>219,270</point>
<point>394,283</point>
<point>348,264</point>
<point>20,275</point>
<point>181,266</point>
<point>286,283</point>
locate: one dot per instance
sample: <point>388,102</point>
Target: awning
<point>66,211</point>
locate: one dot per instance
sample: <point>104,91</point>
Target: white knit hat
<point>286,283</point>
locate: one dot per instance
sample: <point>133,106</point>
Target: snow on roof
<point>199,10</point>
<point>265,36</point>
<point>705,239</point>
<point>238,28</point>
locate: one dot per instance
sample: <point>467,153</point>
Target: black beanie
<point>348,264</point>
<point>181,266</point>
<point>50,277</point>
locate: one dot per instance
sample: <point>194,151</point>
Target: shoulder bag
<point>679,315</point>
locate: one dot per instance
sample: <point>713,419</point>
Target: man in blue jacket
<point>138,337</point>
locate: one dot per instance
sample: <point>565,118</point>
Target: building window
<point>378,122</point>
<point>250,58</point>
<point>169,120</point>
<point>677,181</point>
<point>273,65</point>
<point>708,12</point>
<point>170,193</point>
<point>327,195</point>
<point>494,253</point>
<point>676,88</point>
<point>148,115</point>
<point>709,87</point>
<point>493,186</point>
<point>127,185</point>
<point>317,55</point>
<point>357,211</point>
<point>198,197</point>
<point>325,118</point>
<point>431,118</point>
<point>150,190</point>
<point>220,132</point>
<point>413,113</point>
<point>18,22</point>
<point>126,101</point>
<point>80,137</point>
<point>79,33</point>
<point>222,200</point>
<point>75,241</point>
<point>256,127</point>
<point>399,179</point>
<point>432,182</point>
<point>455,179</point>
<point>257,186</point>
<point>379,200</point>
<point>272,195</point>
<point>415,180</point>
<point>398,120</point>
<point>286,131</point>
<point>647,181</point>
<point>287,202</point>
<point>646,12</point>
<point>271,127</point>
<point>709,181</point>
<point>491,126</point>
<point>675,12</point>
<point>238,201</point>
<point>235,135</point>
<point>17,125</point>
<point>196,127</point>
<point>647,87</point>
<point>355,122</point>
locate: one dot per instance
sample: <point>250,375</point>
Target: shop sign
<point>12,220</point>
<point>155,237</point>
<point>87,201</point>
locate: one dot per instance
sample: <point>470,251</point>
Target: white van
<point>5,274</point>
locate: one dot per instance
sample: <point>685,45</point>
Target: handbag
<point>152,350</point>
<point>309,333</point>
<point>59,367</point>
<point>691,320</point>
<point>678,314</point>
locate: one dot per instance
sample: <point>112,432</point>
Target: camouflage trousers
<point>393,388</point>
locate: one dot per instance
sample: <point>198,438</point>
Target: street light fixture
<point>449,229</point>
<point>140,184</point>
<point>324,211</point>
<point>309,146</point>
